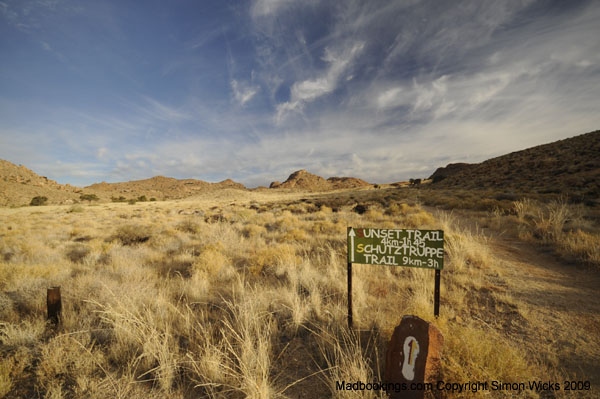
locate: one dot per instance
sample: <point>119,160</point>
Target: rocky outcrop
<point>305,180</point>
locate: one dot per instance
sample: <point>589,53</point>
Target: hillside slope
<point>18,185</point>
<point>570,167</point>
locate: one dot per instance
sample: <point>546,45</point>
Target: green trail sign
<point>396,247</point>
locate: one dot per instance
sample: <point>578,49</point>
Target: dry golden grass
<point>561,226</point>
<point>246,297</point>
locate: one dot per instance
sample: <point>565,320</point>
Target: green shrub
<point>39,200</point>
<point>89,197</point>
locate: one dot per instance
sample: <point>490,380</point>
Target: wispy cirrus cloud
<point>338,61</point>
<point>243,92</point>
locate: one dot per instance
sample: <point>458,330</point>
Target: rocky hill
<point>18,185</point>
<point>304,180</point>
<point>570,167</point>
<point>159,187</point>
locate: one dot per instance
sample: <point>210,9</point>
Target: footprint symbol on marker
<point>411,350</point>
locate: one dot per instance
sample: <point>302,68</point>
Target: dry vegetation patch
<point>175,299</point>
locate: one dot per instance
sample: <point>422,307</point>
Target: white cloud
<point>339,61</point>
<point>263,8</point>
<point>162,111</point>
<point>391,98</point>
<point>243,92</point>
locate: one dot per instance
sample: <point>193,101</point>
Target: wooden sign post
<point>396,247</point>
<point>349,295</point>
<point>413,358</point>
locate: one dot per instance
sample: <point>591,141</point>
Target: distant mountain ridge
<point>18,185</point>
<point>570,167</point>
<point>162,187</point>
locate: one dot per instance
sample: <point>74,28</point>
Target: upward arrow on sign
<point>351,234</point>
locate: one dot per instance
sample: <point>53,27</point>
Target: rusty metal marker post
<point>54,304</point>
<point>413,358</point>
<point>396,247</point>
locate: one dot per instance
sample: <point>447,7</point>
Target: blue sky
<point>112,91</point>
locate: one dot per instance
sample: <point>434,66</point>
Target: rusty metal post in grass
<point>54,304</point>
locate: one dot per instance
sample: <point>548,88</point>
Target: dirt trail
<point>561,302</point>
<point>549,306</point>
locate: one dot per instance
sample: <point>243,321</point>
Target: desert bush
<point>77,252</point>
<point>287,221</point>
<point>39,200</point>
<point>215,218</point>
<point>549,222</point>
<point>420,219</point>
<point>170,266</point>
<point>525,208</point>
<point>583,246</point>
<point>374,215</point>
<point>294,235</point>
<point>75,209</point>
<point>188,226</point>
<point>253,230</point>
<point>272,256</point>
<point>210,262</point>
<point>89,197</point>
<point>360,208</point>
<point>328,227</point>
<point>131,234</point>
